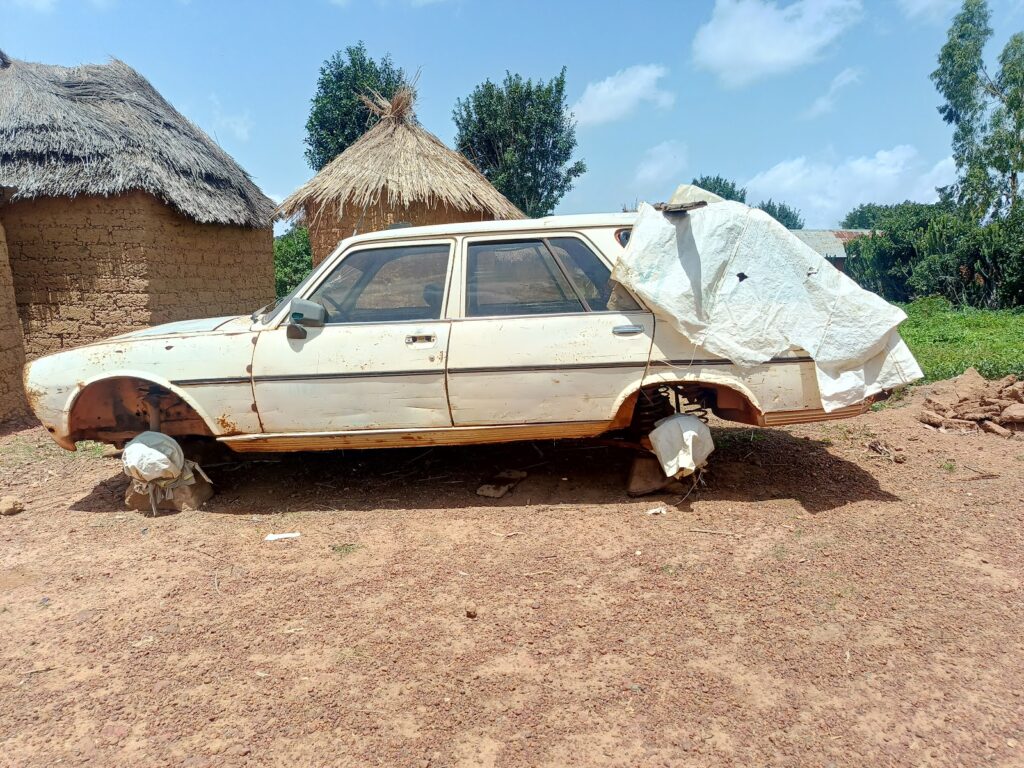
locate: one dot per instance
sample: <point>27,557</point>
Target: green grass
<point>344,549</point>
<point>948,341</point>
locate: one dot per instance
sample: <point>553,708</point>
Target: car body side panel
<point>784,385</point>
<point>343,377</point>
<point>542,369</point>
<point>209,370</point>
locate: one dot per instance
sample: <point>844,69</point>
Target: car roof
<point>575,221</point>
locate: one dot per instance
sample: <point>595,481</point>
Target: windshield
<point>263,311</point>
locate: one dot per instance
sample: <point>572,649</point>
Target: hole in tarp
<point>742,276</point>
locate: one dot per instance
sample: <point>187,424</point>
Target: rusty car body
<point>437,335</point>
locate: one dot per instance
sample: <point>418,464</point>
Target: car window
<point>386,284</point>
<point>516,278</point>
<point>591,277</point>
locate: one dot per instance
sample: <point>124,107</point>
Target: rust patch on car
<point>227,426</point>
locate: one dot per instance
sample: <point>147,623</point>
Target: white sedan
<point>461,333</point>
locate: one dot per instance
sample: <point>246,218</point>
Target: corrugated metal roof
<point>830,243</point>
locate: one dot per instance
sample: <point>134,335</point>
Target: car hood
<point>188,328</point>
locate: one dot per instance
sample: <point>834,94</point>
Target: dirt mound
<point>969,402</point>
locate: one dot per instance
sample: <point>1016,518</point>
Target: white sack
<point>153,456</point>
<point>682,444</point>
<point>737,283</point>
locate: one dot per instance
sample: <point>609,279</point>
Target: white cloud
<point>827,101</point>
<point>239,125</point>
<point>618,96</point>
<point>932,10</point>
<point>942,174</point>
<point>660,164</point>
<point>825,191</point>
<point>746,40</point>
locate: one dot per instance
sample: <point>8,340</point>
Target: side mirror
<point>304,314</point>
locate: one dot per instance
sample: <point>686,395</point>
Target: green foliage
<point>521,136</point>
<point>918,249</point>
<point>883,261</point>
<point>338,117</point>
<point>786,215</point>
<point>947,341</point>
<point>987,112</point>
<point>723,187</point>
<point>293,260</point>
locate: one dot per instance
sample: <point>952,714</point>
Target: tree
<point>786,215</point>
<point>723,187</point>
<point>293,260</point>
<point>338,117</point>
<point>987,112</point>
<point>521,136</point>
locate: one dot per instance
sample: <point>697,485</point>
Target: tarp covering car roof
<point>738,284</point>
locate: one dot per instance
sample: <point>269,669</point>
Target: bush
<point>293,260</point>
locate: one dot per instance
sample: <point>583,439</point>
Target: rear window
<point>516,278</point>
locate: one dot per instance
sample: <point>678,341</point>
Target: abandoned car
<point>449,334</point>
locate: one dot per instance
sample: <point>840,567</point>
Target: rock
<point>938,405</point>
<point>1013,414</point>
<point>1014,392</point>
<point>975,413</point>
<point>9,505</point>
<point>501,483</point>
<point>995,429</point>
<point>188,497</point>
<point>970,385</point>
<point>471,612</point>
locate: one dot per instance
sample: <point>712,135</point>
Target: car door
<point>544,336</point>
<point>378,361</point>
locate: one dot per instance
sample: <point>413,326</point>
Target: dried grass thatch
<point>399,163</point>
<point>104,130</point>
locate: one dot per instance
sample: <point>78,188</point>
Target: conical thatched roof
<point>397,162</point>
<point>104,130</point>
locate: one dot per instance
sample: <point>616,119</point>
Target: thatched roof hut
<point>396,172</point>
<point>102,129</point>
<point>119,212</point>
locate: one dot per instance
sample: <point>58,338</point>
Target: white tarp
<point>682,444</point>
<point>741,286</point>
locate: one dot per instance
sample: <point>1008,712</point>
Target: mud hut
<point>119,213</point>
<point>397,172</point>
<point>12,352</point>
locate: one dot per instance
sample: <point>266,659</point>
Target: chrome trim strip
<point>724,361</point>
<point>342,375</point>
<point>211,381</point>
<point>639,365</point>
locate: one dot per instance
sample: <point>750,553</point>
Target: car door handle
<point>425,338</point>
<point>627,330</point>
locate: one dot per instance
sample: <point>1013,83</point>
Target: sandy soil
<point>815,604</point>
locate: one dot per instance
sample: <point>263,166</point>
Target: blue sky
<point>822,103</point>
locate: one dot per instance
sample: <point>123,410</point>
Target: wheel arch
<point>109,405</point>
<point>729,399</point>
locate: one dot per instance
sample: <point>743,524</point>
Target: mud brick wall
<point>12,353</point>
<point>91,267</point>
<point>205,270</point>
<point>327,229</point>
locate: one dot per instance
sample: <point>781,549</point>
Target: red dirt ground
<point>849,611</point>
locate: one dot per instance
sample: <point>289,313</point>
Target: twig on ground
<point>507,535</point>
<point>980,475</point>
<point>715,533</point>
